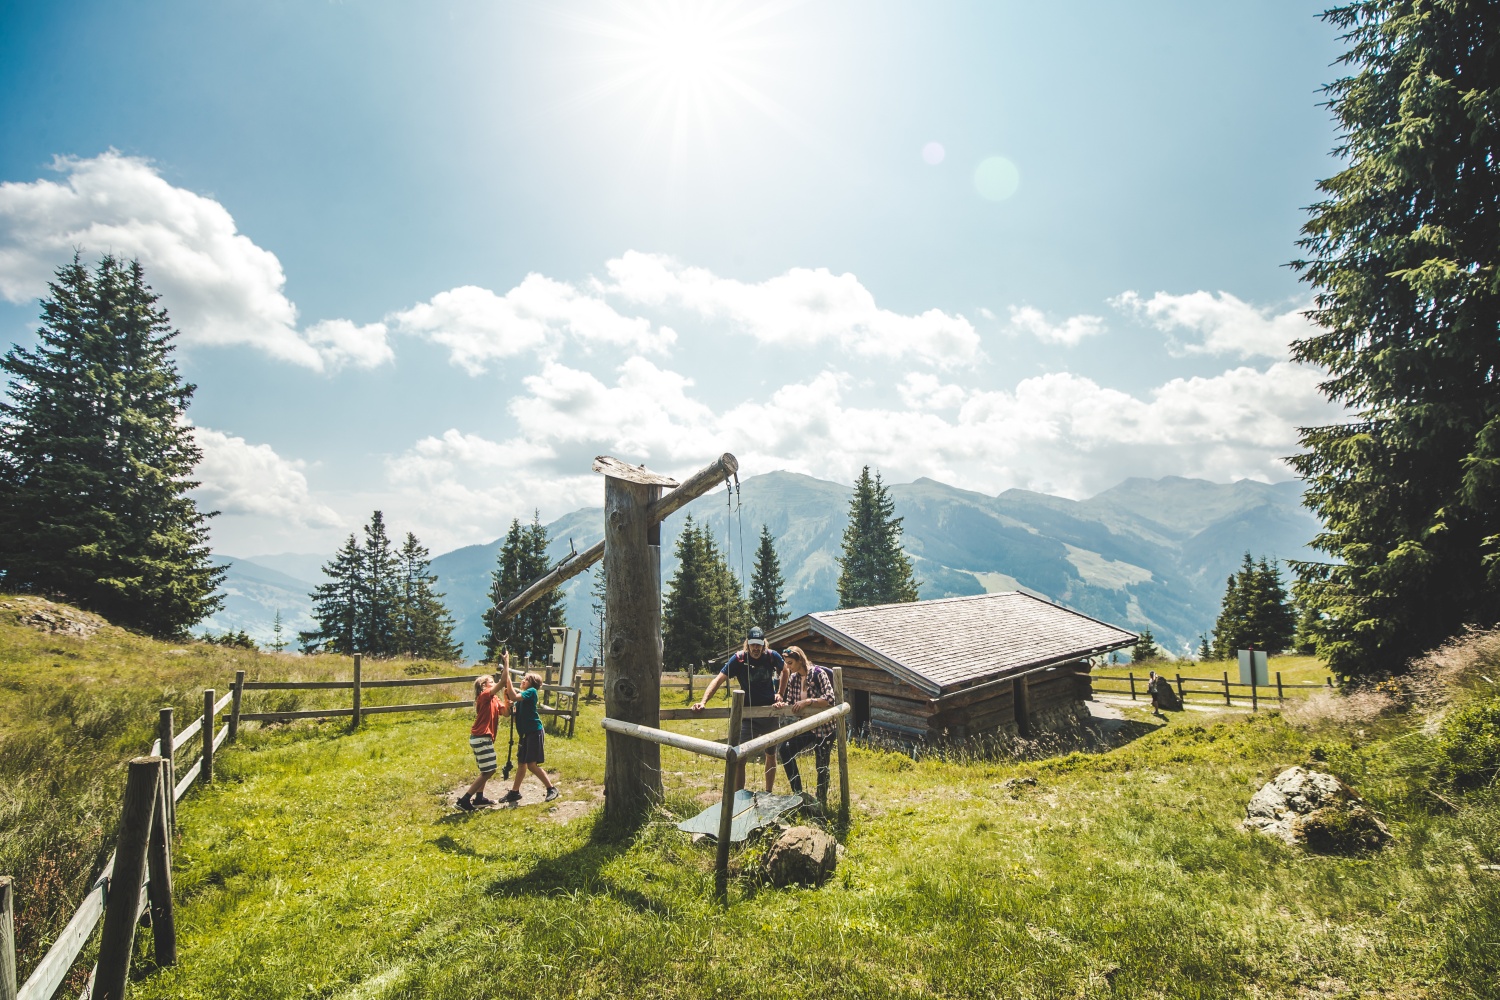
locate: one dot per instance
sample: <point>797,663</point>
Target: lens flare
<point>996,178</point>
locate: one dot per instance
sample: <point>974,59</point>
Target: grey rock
<point>1311,808</point>
<point>803,855</point>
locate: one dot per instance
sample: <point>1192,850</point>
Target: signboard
<point>569,664</point>
<point>1254,667</point>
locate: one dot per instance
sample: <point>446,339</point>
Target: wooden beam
<point>695,486</point>
<point>7,939</point>
<point>118,938</point>
<point>692,744</point>
<point>613,468</point>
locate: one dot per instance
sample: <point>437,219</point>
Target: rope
<point>739,513</point>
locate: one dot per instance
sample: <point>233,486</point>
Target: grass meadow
<point>324,863</point>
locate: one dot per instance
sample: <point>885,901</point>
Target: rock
<point>1012,784</point>
<point>802,855</point>
<point>59,619</point>
<point>1316,810</point>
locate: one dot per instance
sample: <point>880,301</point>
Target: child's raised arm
<point>510,689</point>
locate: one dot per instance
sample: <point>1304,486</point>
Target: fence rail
<point>1222,688</point>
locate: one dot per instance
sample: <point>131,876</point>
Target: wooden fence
<point>136,879</point>
<point>1220,688</point>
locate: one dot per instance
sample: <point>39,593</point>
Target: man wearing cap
<point>758,669</point>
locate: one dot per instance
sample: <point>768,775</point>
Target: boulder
<point>1316,810</point>
<point>803,855</point>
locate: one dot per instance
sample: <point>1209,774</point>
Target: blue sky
<point>432,258</point>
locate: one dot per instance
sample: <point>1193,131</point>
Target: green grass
<point>1293,669</point>
<point>327,864</point>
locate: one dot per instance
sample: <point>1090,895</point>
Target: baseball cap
<point>756,635</point>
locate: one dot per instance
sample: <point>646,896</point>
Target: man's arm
<point>708,692</point>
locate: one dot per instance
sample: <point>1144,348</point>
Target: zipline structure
<point>634,507</point>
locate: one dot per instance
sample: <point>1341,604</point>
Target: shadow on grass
<point>580,872</point>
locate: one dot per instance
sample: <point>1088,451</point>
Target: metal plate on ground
<point>752,810</point>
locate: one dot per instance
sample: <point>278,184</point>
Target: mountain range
<point>1146,554</point>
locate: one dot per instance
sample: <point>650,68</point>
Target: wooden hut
<point>959,666</point>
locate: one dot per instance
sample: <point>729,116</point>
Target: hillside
<point>328,863</point>
<point>1144,554</point>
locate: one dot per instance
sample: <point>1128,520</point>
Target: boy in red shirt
<point>489,705</point>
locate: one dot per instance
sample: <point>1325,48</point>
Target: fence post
<point>1226,689</point>
<point>234,705</point>
<point>1329,683</point>
<point>593,673</point>
<point>166,733</point>
<point>118,938</point>
<point>843,736</point>
<point>1254,698</point>
<point>1180,696</point>
<point>7,939</point>
<point>206,772</point>
<point>358,661</point>
<point>1131,675</point>
<point>159,878</point>
<point>1279,696</point>
<point>690,683</point>
<point>726,800</point>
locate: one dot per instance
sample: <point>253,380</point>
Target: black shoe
<point>511,796</point>
<point>464,804</point>
<point>480,800</point>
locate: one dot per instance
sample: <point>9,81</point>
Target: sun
<point>687,69</point>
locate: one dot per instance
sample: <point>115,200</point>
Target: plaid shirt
<point>819,684</point>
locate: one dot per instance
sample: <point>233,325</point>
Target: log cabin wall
<point>1055,699</point>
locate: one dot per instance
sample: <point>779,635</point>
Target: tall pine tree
<point>767,605</point>
<point>1256,611</point>
<point>703,613</point>
<point>522,558</point>
<point>1403,251</point>
<point>96,458</point>
<point>425,628</point>
<point>873,568</point>
<point>381,605</point>
<point>338,604</point>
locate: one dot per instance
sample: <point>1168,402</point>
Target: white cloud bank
<point>219,287</point>
<point>240,478</point>
<point>1030,320</point>
<point>1057,433</point>
<point>1225,324</point>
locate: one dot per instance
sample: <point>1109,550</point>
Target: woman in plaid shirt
<point>808,688</point>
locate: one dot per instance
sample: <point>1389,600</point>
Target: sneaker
<point>464,803</point>
<point>551,794</point>
<point>511,796</point>
<point>480,800</point>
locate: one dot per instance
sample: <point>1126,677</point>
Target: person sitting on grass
<point>529,733</point>
<point>488,707</point>
<point>807,688</point>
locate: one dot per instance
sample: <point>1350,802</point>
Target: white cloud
<point>1225,324</point>
<point>1057,433</point>
<point>478,326</point>
<point>799,308</point>
<point>242,478</point>
<point>1029,320</point>
<point>339,342</point>
<point>219,287</point>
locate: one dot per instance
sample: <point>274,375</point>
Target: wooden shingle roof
<point>948,644</point>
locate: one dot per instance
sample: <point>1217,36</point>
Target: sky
<point>433,258</point>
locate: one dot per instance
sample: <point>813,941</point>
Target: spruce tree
<point>381,604</point>
<point>1145,649</point>
<point>522,558</point>
<point>96,458</point>
<point>767,605</point>
<point>1403,251</point>
<point>873,568</point>
<point>1256,611</point>
<point>278,633</point>
<point>596,609</point>
<point>338,604</point>
<point>424,626</point>
<point>689,633</point>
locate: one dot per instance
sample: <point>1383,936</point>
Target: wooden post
<point>1131,675</point>
<point>7,939</point>
<point>726,800</point>
<point>165,733</point>
<point>593,672</point>
<point>358,661</point>
<point>234,705</point>
<point>118,938</point>
<point>1254,699</point>
<point>690,683</point>
<point>843,746</point>
<point>159,883</point>
<point>1329,683</point>
<point>632,644</point>
<point>207,771</point>
<point>1280,696</point>
<point>1226,689</point>
<point>1180,696</point>
<point>1020,696</point>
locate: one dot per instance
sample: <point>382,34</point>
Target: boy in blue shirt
<point>529,733</point>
